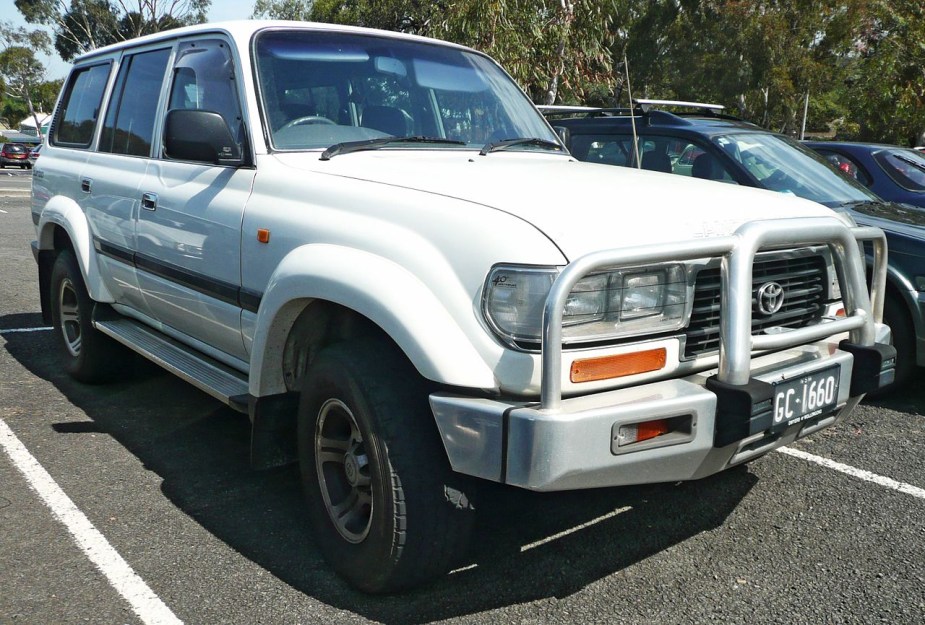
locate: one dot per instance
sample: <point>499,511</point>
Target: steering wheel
<point>308,119</point>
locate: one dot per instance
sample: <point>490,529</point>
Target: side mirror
<point>564,135</point>
<point>193,135</point>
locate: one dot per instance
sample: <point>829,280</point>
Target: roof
<point>619,120</point>
<point>243,30</point>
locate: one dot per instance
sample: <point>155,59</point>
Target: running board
<point>206,374</point>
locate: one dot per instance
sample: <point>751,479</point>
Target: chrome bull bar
<point>738,252</point>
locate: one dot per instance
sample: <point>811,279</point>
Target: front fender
<point>63,212</point>
<point>382,291</point>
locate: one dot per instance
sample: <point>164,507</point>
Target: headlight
<point>601,306</point>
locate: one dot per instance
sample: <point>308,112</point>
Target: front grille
<point>803,280</point>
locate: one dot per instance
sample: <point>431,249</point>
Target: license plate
<point>805,397</point>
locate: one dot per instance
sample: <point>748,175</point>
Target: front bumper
<point>720,417</point>
<point>571,448</point>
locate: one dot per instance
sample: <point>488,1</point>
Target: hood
<point>581,207</point>
<point>892,217</point>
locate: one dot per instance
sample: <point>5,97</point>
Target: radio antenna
<point>629,91</point>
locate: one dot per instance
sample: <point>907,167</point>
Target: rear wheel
<point>91,356</point>
<point>387,511</point>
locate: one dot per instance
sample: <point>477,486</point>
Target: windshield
<point>319,89</point>
<point>781,164</point>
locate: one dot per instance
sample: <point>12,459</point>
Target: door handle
<point>85,185</point>
<point>149,201</point>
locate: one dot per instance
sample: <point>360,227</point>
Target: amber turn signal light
<point>607,367</point>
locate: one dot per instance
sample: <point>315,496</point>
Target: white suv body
<point>242,204</point>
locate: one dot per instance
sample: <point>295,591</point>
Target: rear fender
<point>64,213</point>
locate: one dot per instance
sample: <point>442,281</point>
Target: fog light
<point>638,432</point>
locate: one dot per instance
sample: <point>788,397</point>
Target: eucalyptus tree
<point>885,92</point>
<point>21,73</point>
<point>299,10</point>
<point>83,25</point>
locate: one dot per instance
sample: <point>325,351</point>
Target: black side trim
<point>249,300</point>
<point>219,290</point>
<point>114,251</point>
<point>222,291</point>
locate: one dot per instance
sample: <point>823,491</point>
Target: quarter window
<point>80,107</point>
<point>129,126</point>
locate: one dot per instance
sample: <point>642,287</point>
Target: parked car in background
<point>894,173</point>
<point>14,155</point>
<point>702,142</point>
<point>34,153</point>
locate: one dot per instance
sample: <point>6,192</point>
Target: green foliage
<point>886,89</point>
<point>84,25</point>
<point>299,10</point>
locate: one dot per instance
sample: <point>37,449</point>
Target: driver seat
<point>385,119</point>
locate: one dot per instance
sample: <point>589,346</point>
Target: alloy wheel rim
<point>70,316</point>
<point>343,470</point>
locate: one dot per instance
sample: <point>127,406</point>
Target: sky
<point>221,10</point>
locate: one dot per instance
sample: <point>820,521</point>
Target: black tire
<point>387,511</point>
<point>896,315</point>
<point>90,356</point>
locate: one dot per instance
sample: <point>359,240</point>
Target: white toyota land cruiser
<point>376,246</point>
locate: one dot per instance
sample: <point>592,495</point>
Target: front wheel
<point>387,511</point>
<point>91,356</point>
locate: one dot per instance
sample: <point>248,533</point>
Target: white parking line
<point>18,330</point>
<point>3,211</point>
<point>861,474</point>
<point>146,605</point>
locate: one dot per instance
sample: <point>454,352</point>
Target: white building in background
<point>27,126</point>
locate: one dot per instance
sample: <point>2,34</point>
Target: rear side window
<point>80,107</point>
<point>906,168</point>
<point>847,166</point>
<point>129,126</point>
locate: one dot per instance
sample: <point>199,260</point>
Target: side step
<point>206,374</point>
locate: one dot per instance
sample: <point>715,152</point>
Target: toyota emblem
<point>770,298</point>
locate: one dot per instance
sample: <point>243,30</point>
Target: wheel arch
<point>63,224</point>
<point>311,282</point>
<point>900,288</point>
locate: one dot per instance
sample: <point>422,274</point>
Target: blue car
<point>894,173</point>
<point>703,142</point>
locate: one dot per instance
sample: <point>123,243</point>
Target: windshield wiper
<point>374,144</point>
<point>507,143</point>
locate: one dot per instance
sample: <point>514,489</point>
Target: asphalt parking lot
<point>134,503</point>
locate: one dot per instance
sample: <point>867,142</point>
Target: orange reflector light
<point>263,235</point>
<point>840,312</point>
<point>593,369</point>
<point>638,432</point>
